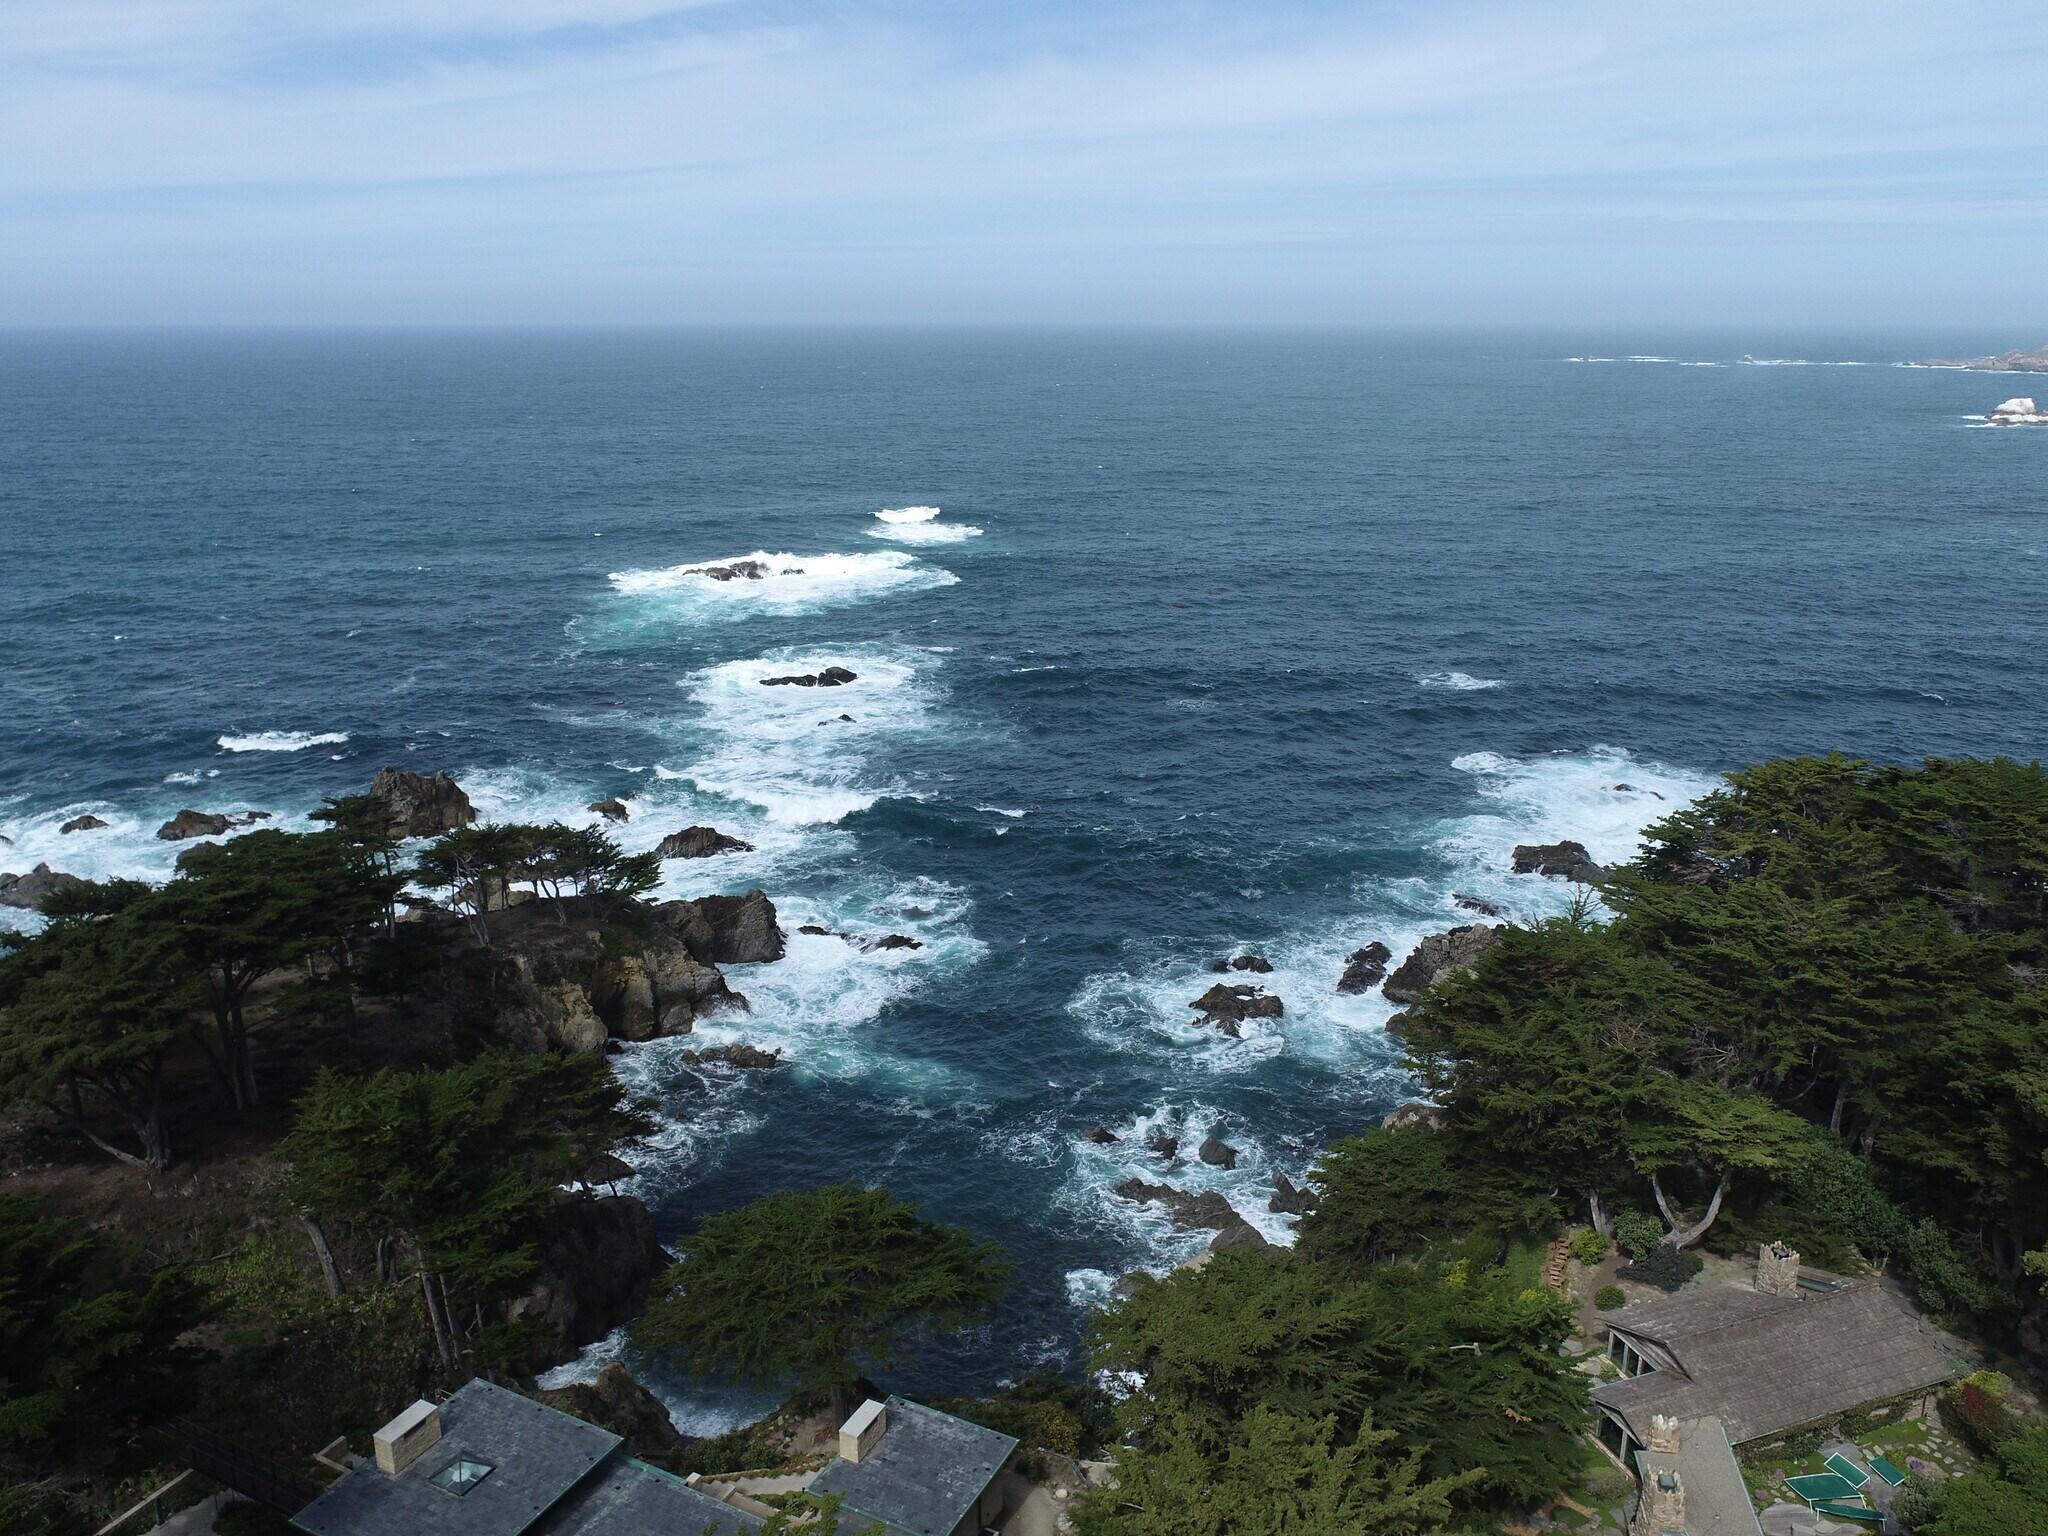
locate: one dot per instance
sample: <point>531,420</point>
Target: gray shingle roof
<point>536,1455</point>
<point>1717,1499</point>
<point>1762,1364</point>
<point>925,1473</point>
<point>625,1497</point>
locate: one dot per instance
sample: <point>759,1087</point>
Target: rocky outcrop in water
<point>1475,904</point>
<point>699,843</point>
<point>1194,1212</point>
<point>1228,1005</point>
<point>862,941</point>
<point>611,810</point>
<point>726,930</point>
<point>831,677</point>
<point>741,570</point>
<point>1290,1199</point>
<point>1217,1152</point>
<point>1437,956</point>
<point>750,1057</point>
<point>1364,967</point>
<point>29,891</point>
<point>661,991</point>
<point>617,1402</point>
<point>1258,965</point>
<point>190,823</point>
<point>82,824</point>
<point>1101,1136</point>
<point>1558,861</point>
<point>422,806</point>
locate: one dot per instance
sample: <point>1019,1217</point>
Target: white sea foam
<point>282,741</point>
<point>792,583</point>
<point>785,749</point>
<point>919,525</point>
<point>1459,682</point>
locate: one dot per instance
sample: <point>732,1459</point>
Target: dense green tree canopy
<point>84,1355</point>
<point>1458,1363</point>
<point>810,1288</point>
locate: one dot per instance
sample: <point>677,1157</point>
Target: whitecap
<point>786,583</point>
<point>282,741</point>
<point>784,750</point>
<point>919,525</point>
<point>1459,682</point>
<point>997,810</point>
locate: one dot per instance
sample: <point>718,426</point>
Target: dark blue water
<point>1266,642</point>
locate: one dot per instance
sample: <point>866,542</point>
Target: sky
<point>1801,163</point>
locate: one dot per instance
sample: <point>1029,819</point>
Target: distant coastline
<point>2016,361</point>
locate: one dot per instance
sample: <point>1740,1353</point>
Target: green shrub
<point>1665,1267</point>
<point>1946,1279</point>
<point>1609,1297</point>
<point>1589,1247</point>
<point>1637,1234</point>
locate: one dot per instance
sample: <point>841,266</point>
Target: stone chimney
<point>1664,1503</point>
<point>1663,1434</point>
<point>862,1431</point>
<point>406,1438</point>
<point>1777,1270</point>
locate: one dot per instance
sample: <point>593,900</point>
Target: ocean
<point>1214,643</point>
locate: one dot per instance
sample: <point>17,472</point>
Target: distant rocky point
<point>2006,362</point>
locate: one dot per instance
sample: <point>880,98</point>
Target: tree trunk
<point>440,1328</point>
<point>1841,1100</point>
<point>1603,1223</point>
<point>328,1271</point>
<point>842,1402</point>
<point>1681,1236</point>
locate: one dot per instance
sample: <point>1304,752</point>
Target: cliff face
<point>597,1258</point>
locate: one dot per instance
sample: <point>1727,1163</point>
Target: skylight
<point>460,1475</point>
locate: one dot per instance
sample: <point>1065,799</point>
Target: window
<point>460,1475</point>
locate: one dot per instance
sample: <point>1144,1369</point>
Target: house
<point>1691,1483</point>
<point>489,1462</point>
<point>917,1471</point>
<point>1797,1347</point>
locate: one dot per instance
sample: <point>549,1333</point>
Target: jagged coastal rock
<point>550,1016</point>
<point>82,824</point>
<point>29,891</point>
<point>1227,1006</point>
<point>2020,411</point>
<point>1217,1152</point>
<point>190,823</point>
<point>617,1402</point>
<point>751,1057</point>
<point>1438,956</point>
<point>1258,965</point>
<point>1476,904</point>
<point>726,930</point>
<point>1290,1199</point>
<point>597,1258</point>
<point>661,991</point>
<point>1193,1212</point>
<point>1102,1136</point>
<point>422,806</point>
<point>831,677</point>
<point>863,941</point>
<point>699,843</point>
<point>1363,968</point>
<point>740,570</point>
<point>610,810</point>
<point>1558,861</point>
<point>1414,1117</point>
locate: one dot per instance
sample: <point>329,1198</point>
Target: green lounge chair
<point>1816,1486</point>
<point>1886,1470</point>
<point>1846,1469</point>
<point>1849,1511</point>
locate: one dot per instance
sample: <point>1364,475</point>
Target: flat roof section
<point>925,1473</point>
<point>535,1455</point>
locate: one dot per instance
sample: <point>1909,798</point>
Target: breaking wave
<point>777,583</point>
<point>282,741</point>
